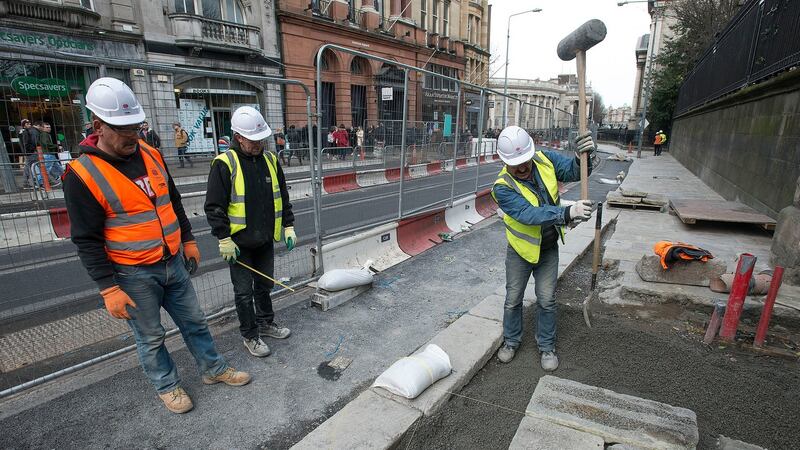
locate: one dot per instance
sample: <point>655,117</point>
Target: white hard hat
<point>515,146</point>
<point>248,122</point>
<point>113,102</point>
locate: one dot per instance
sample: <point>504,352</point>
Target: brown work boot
<point>177,401</point>
<point>231,377</point>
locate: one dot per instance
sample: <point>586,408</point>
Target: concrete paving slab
<point>616,417</point>
<point>726,443</point>
<point>490,308</point>
<point>368,422</point>
<point>537,434</point>
<point>469,342</point>
<point>694,273</point>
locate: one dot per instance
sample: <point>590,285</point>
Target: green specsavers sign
<point>40,87</point>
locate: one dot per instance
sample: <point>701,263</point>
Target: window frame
<point>435,17</point>
<point>423,15</point>
<point>185,11</point>
<point>446,18</point>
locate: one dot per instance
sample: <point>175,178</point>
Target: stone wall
<point>747,145</point>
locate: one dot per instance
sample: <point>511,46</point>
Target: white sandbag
<point>413,374</point>
<point>340,279</point>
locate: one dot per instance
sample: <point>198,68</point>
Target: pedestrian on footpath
<point>150,136</point>
<point>661,139</point>
<point>182,143</point>
<point>134,239</point>
<point>527,192</point>
<point>247,212</point>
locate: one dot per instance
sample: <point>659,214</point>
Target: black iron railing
<point>761,40</point>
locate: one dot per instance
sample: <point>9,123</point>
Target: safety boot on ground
<point>274,330</point>
<point>549,361</point>
<point>177,401</point>
<point>230,376</point>
<point>257,347</point>
<point>506,353</point>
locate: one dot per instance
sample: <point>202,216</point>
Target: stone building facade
<point>556,102</point>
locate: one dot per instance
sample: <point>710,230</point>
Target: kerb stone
<point>368,422</point>
<point>537,434</point>
<point>615,417</point>
<point>692,273</point>
<point>726,443</point>
<point>469,342</point>
<point>490,308</point>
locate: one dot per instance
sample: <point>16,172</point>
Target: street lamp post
<point>505,83</point>
<point>650,60</point>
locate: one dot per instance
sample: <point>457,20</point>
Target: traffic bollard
<point>769,303</point>
<point>741,285</point>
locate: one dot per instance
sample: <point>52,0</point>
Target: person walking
<point>247,212</point>
<point>342,141</point>
<point>150,136</point>
<point>661,139</point>
<point>28,137</point>
<point>360,141</point>
<point>135,241</point>
<point>526,190</point>
<point>182,143</point>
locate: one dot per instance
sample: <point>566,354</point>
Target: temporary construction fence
<point>416,164</point>
<point>48,306</point>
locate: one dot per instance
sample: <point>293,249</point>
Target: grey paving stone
<point>469,342</point>
<point>616,417</point>
<point>537,434</point>
<point>490,308</point>
<point>726,443</point>
<point>368,422</point>
<point>694,273</point>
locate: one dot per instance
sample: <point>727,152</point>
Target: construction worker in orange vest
<point>661,139</point>
<point>136,242</point>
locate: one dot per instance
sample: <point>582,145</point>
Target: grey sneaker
<point>549,361</point>
<point>274,330</point>
<point>506,353</point>
<point>257,347</point>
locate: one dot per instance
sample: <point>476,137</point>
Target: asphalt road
<point>49,276</point>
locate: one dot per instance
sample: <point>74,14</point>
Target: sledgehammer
<point>575,45</point>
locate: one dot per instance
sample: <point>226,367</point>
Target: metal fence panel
<point>760,41</point>
<point>49,306</point>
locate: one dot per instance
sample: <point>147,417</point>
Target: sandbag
<point>413,374</point>
<point>340,279</point>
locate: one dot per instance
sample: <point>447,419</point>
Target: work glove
<point>229,250</point>
<point>116,300</point>
<point>584,144</point>
<point>290,237</point>
<point>581,210</point>
<point>191,256</point>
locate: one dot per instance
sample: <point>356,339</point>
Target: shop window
<point>185,6</point>
<point>358,105</point>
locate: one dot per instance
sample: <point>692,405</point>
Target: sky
<point>610,65</point>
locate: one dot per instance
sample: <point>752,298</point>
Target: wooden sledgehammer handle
<point>580,59</point>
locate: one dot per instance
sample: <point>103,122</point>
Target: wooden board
<point>692,211</point>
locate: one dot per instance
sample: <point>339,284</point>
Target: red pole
<point>766,313</point>
<point>713,324</point>
<point>741,285</point>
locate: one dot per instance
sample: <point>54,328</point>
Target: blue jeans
<point>545,273</point>
<point>166,285</point>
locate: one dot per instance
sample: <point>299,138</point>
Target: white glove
<point>581,211</point>
<point>584,143</point>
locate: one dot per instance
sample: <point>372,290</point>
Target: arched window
<point>329,61</point>
<point>359,66</point>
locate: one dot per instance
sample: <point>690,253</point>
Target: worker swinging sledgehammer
<point>527,192</point>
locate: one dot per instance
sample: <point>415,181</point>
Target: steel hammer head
<point>583,38</point>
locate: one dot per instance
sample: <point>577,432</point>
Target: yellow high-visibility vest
<point>525,239</point>
<point>236,208</point>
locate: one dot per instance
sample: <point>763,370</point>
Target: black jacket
<point>87,217</point>
<point>259,206</point>
<point>151,137</point>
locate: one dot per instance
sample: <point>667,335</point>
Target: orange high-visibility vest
<point>137,232</point>
<point>658,139</point>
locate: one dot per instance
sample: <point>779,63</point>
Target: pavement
<point>638,230</point>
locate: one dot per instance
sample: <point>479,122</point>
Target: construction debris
<point>636,199</point>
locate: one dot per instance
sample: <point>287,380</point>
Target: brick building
<point>446,37</point>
